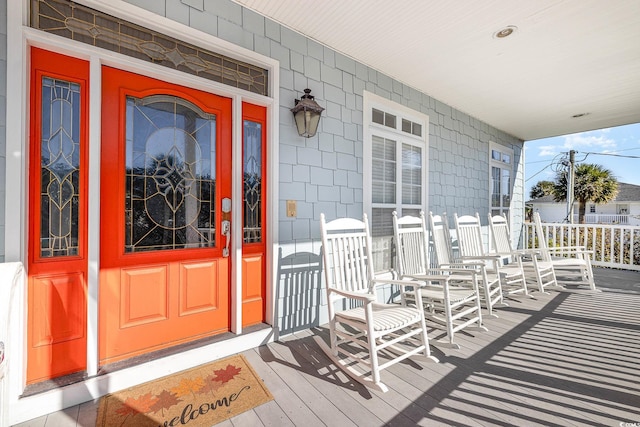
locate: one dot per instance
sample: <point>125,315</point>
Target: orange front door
<point>57,249</point>
<point>165,170</point>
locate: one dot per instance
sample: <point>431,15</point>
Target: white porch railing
<point>603,219</point>
<point>616,246</point>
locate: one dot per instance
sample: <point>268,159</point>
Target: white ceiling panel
<point>566,57</point>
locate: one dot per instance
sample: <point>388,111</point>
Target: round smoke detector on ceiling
<point>505,32</point>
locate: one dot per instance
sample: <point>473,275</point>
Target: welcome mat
<point>201,396</point>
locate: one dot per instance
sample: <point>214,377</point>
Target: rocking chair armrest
<point>570,249</point>
<point>448,271</point>
<point>510,253</point>
<point>487,257</point>
<point>366,298</point>
<point>416,283</point>
<point>520,253</point>
<point>532,253</point>
<point>462,265</point>
<point>424,280</point>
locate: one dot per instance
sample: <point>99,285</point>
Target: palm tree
<point>593,183</point>
<point>541,189</point>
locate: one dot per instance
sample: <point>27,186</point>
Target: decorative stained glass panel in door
<point>252,167</point>
<point>59,168</point>
<point>170,175</point>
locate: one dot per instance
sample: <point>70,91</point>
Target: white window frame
<point>371,101</point>
<point>500,210</point>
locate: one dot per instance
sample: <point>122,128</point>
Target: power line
<point>557,163</point>
<point>560,161</point>
<point>537,173</point>
<point>537,161</point>
<point>627,149</point>
<point>614,155</point>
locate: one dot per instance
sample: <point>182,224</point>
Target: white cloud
<point>548,150</point>
<point>593,141</point>
<point>589,141</point>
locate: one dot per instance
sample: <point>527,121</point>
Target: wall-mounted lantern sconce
<point>306,113</point>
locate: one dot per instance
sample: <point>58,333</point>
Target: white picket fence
<point>616,246</point>
<point>607,219</point>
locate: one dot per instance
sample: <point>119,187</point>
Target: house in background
<point>624,209</point>
<point>160,210</point>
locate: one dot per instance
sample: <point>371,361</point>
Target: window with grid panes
<point>395,168</point>
<point>501,160</point>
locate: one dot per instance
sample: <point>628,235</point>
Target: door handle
<point>226,231</point>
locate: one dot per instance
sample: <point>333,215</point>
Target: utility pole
<point>571,185</point>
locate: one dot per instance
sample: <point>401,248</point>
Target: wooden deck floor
<point>571,358</point>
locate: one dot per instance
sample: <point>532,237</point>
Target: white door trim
<point>20,37</point>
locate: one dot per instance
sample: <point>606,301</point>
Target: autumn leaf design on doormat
<point>201,396</point>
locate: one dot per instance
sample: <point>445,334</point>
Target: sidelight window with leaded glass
<point>252,182</point>
<point>60,168</point>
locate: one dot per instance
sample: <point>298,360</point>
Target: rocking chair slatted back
<point>349,254</point>
<point>500,234</point>
<point>441,239</point>
<point>413,246</point>
<point>470,243</point>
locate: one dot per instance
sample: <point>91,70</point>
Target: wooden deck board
<point>286,398</point>
<point>271,414</point>
<point>567,358</point>
<point>293,376</point>
<point>305,348</point>
<point>292,352</point>
<point>247,418</point>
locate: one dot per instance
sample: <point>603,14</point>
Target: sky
<point>598,146</point>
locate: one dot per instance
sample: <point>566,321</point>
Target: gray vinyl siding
<point>324,174</point>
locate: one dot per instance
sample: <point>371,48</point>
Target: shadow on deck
<point>569,358</point>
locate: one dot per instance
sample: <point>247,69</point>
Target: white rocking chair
<point>573,259</point>
<point>516,259</point>
<point>450,301</point>
<point>471,247</point>
<point>489,281</point>
<point>362,328</point>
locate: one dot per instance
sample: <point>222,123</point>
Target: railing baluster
<point>611,245</point>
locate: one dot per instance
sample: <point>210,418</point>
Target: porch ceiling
<point>565,58</point>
